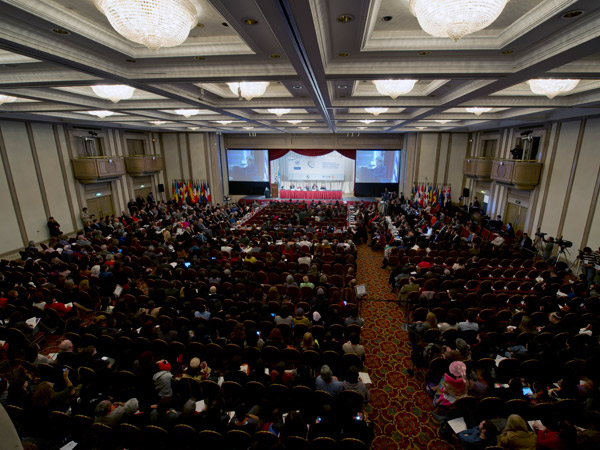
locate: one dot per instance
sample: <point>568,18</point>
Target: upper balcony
<point>517,173</point>
<point>94,169</point>
<point>478,167</point>
<point>139,165</point>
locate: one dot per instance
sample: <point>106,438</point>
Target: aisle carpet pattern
<point>399,407</point>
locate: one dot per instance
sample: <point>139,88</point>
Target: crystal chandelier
<point>455,18</point>
<point>551,87</point>
<point>6,99</point>
<point>279,111</point>
<point>187,113</point>
<point>294,122</point>
<point>376,111</point>
<point>114,92</point>
<point>366,121</point>
<point>153,23</point>
<point>394,88</point>
<point>478,111</point>
<point>248,89</point>
<point>101,114</point>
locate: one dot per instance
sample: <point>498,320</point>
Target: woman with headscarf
<point>516,435</point>
<point>454,385</point>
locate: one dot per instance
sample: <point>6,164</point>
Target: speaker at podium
<point>274,190</point>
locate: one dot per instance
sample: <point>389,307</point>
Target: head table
<point>311,195</point>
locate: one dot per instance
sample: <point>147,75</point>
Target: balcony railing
<point>93,169</point>
<point>478,167</point>
<point>517,173</point>
<point>137,165</point>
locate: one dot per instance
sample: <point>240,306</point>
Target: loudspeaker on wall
<point>161,187</point>
<point>466,192</point>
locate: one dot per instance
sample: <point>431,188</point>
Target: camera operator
<point>589,260</point>
<point>549,248</point>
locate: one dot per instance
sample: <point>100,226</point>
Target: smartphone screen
<point>187,264</point>
<point>527,391</point>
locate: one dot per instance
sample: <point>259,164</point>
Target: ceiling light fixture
<point>224,122</point>
<point>187,113</point>
<point>366,121</point>
<point>443,121</point>
<point>376,111</point>
<point>279,111</point>
<point>304,128</point>
<point>153,23</point>
<point>455,18</point>
<point>158,122</point>
<point>421,128</point>
<point>362,128</point>
<point>193,128</point>
<point>6,99</point>
<point>101,114</point>
<point>113,92</point>
<point>394,88</point>
<point>294,122</point>
<point>477,110</point>
<point>248,89</point>
<point>248,128</point>
<point>552,87</point>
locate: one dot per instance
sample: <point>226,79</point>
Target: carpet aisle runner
<point>399,407</point>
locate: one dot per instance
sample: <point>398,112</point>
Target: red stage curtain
<point>279,153</point>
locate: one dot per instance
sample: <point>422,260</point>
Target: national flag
<point>202,193</point>
<point>208,199</point>
<point>174,195</point>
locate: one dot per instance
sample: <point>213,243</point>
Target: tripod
<point>564,253</point>
<point>538,245</point>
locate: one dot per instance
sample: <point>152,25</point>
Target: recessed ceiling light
<point>200,25</point>
<point>343,54</point>
<point>507,52</point>
<point>130,60</point>
<point>225,24</point>
<point>386,18</point>
<point>296,87</point>
<point>248,128</point>
<point>443,121</point>
<point>420,128</point>
<point>200,58</point>
<point>342,86</point>
<point>60,31</point>
<point>193,128</point>
<point>224,122</point>
<point>572,14</point>
<point>366,121</point>
<point>345,18</point>
<point>424,53</point>
<point>304,128</point>
<point>294,122</point>
<point>250,21</point>
<point>275,56</point>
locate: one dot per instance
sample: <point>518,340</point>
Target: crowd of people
<point>500,335</point>
<point>172,315</point>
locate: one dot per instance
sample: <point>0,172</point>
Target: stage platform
<point>348,200</point>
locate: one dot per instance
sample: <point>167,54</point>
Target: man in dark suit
<point>526,243</point>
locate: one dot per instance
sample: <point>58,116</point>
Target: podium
<point>274,190</point>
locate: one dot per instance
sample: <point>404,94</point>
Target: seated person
<point>323,188</point>
<point>315,187</point>
<point>327,382</point>
<point>480,437</point>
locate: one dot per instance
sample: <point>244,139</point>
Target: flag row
<point>429,195</point>
<point>190,191</point>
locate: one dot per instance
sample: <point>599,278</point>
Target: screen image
<point>248,165</point>
<point>329,167</point>
<point>377,166</point>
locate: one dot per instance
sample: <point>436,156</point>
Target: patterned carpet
<point>399,407</point>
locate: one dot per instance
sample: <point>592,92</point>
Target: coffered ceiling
<point>52,51</point>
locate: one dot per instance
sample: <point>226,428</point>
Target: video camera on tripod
<point>562,243</point>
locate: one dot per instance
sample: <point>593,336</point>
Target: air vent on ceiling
<point>87,128</point>
<point>531,127</point>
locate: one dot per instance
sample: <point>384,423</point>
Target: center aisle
<point>399,407</point>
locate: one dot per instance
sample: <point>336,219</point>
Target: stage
<point>348,200</point>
